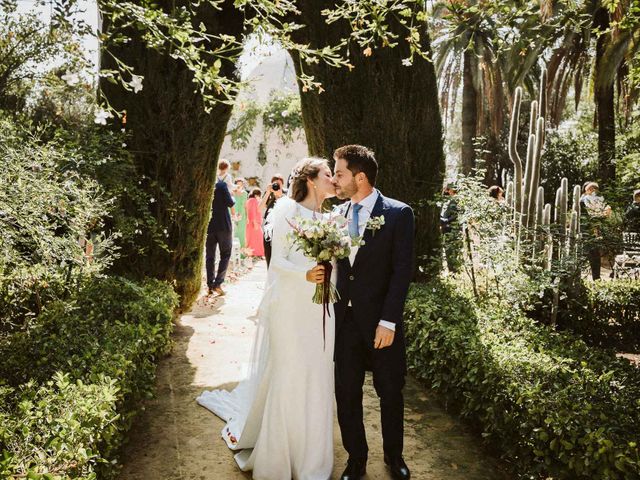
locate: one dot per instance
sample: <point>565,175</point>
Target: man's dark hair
<point>277,177</point>
<point>359,159</point>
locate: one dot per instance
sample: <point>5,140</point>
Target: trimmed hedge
<point>74,381</point>
<point>549,403</point>
<point>608,315</point>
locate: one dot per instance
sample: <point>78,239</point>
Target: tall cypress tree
<point>176,144</point>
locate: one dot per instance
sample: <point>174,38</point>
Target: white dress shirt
<point>367,203</point>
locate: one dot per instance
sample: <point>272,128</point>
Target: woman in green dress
<point>240,196</point>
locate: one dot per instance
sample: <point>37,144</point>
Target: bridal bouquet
<point>322,240</point>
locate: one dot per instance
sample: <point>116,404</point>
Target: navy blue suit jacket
<point>378,281</point>
<point>222,201</point>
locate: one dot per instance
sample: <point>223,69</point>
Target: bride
<point>280,418</point>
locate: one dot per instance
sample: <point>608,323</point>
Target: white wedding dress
<point>281,416</point>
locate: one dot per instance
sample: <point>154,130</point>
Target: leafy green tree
<point>27,45</point>
<point>596,38</point>
<point>466,52</point>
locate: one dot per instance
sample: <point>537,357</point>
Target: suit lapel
<point>368,234</point>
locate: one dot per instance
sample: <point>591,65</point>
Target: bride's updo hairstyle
<point>305,169</point>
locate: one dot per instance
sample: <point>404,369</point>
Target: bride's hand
<point>316,274</point>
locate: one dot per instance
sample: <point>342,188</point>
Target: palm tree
<point>467,51</point>
<point>592,40</point>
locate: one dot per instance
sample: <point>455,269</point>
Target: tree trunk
<point>605,105</point>
<point>391,108</point>
<point>176,145</point>
<point>469,113</point>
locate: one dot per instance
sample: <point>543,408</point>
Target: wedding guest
<point>240,197</point>
<point>224,175</point>
<point>632,214</point>
<point>219,236</point>
<point>254,225</point>
<point>594,210</point>
<point>496,192</point>
<point>274,192</point>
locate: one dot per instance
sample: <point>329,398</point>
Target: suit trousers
<point>595,262</point>
<point>354,356</point>
<point>224,241</point>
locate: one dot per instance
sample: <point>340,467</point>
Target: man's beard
<point>347,191</point>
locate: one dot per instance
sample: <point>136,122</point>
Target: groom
<point>372,284</point>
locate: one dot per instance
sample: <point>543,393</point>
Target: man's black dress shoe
<point>355,470</point>
<point>399,469</point>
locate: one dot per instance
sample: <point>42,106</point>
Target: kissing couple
<point>280,418</point>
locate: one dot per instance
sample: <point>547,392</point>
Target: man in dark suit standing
<point>373,285</point>
<point>219,235</point>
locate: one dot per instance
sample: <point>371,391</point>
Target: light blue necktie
<point>353,226</point>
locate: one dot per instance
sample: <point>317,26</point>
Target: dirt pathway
<point>176,439</point>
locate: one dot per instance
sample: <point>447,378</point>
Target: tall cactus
<point>513,152</point>
<point>532,218</point>
<point>508,196</point>
<point>576,201</point>
<point>548,241</point>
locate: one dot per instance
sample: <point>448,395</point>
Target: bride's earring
<point>315,196</point>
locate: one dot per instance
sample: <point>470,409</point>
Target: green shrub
<point>57,428</point>
<point>103,345</point>
<point>58,187</point>
<point>607,315</point>
<point>570,155</point>
<point>44,212</point>
<point>551,405</point>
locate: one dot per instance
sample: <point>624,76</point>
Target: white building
<point>274,72</point>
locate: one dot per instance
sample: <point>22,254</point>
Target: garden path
<point>176,439</point>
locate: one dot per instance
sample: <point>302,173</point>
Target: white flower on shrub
<point>102,116</point>
<point>407,62</point>
<point>71,78</point>
<point>136,83</point>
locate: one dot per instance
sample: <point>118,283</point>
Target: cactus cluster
<point>532,217</point>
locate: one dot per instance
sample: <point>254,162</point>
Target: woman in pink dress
<point>254,224</point>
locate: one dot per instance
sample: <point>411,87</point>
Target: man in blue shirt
<point>219,235</point>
